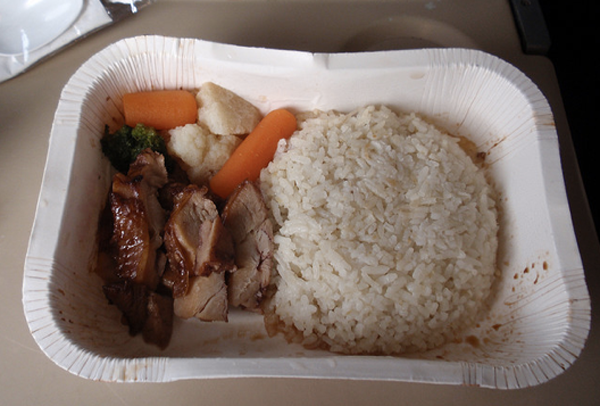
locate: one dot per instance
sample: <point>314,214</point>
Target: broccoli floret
<point>124,145</point>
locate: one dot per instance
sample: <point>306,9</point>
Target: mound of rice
<point>385,234</point>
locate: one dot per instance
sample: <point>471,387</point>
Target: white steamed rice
<point>385,233</point>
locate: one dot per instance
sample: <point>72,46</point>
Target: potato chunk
<point>224,112</point>
<point>200,153</point>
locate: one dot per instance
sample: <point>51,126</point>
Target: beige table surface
<point>27,105</point>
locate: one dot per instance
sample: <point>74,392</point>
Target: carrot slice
<point>254,153</point>
<point>161,109</point>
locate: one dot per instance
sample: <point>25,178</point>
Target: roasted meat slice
<point>168,193</point>
<point>215,253</point>
<point>150,167</point>
<point>206,298</point>
<point>197,244</point>
<point>158,327</point>
<point>106,262</point>
<point>138,219</point>
<point>131,300</point>
<point>144,311</point>
<point>245,215</point>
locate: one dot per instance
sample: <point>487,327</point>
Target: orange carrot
<point>254,153</point>
<point>161,109</point>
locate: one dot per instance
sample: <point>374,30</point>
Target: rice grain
<point>385,233</point>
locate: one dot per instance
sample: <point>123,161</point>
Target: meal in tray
<point>362,232</point>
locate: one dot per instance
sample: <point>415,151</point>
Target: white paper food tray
<point>540,317</point>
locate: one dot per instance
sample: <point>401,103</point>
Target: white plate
<point>540,317</point>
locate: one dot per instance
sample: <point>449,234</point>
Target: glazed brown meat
<point>245,216</point>
<point>206,298</point>
<point>200,251</point>
<point>144,311</point>
<point>131,300</point>
<point>158,327</point>
<point>138,220</point>
<point>131,245</point>
<point>173,253</point>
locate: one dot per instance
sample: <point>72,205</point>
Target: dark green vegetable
<point>124,145</point>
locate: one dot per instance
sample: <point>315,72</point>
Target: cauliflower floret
<point>224,112</point>
<point>200,153</point>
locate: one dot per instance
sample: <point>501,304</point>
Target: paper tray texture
<point>540,316</point>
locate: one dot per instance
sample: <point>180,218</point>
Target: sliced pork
<point>206,298</point>
<point>158,327</point>
<point>131,300</point>
<point>144,311</point>
<point>174,254</point>
<point>131,241</point>
<point>245,215</point>
<point>200,251</point>
<point>138,219</point>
